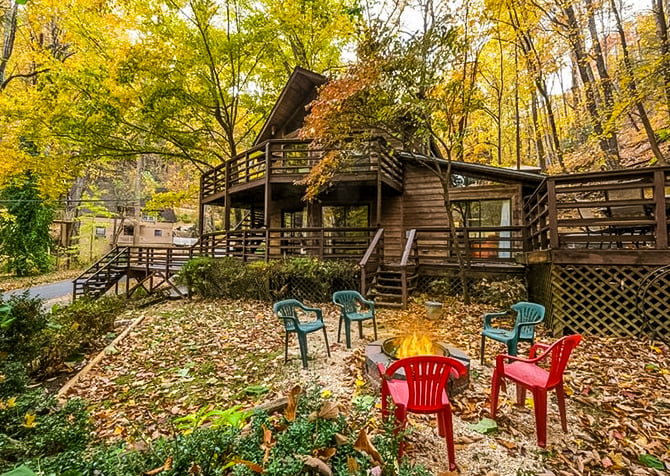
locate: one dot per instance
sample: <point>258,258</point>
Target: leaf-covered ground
<point>188,355</point>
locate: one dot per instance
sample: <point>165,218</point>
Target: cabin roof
<point>488,172</point>
<point>297,93</point>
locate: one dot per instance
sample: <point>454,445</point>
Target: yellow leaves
<point>326,394</point>
<point>30,420</point>
<point>11,402</point>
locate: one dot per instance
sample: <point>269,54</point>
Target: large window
<point>293,218</point>
<point>486,214</point>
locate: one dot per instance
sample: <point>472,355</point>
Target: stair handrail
<point>110,260</point>
<point>409,246</point>
<point>109,253</point>
<point>363,263</point>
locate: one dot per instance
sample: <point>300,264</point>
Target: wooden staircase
<point>387,285</point>
<point>102,275</point>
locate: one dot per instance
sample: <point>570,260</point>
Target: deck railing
<point>290,159</point>
<point>613,210</point>
<point>478,245</point>
<point>273,243</point>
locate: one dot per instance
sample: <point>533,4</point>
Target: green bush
<point>76,328</point>
<point>13,378</point>
<point>22,326</point>
<point>300,278</point>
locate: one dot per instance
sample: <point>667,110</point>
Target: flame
<point>414,345</point>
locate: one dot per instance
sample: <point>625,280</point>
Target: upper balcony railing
<point>606,210</point>
<point>291,159</point>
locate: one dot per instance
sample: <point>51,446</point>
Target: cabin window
<point>346,216</point>
<point>294,242</point>
<point>100,231</point>
<point>293,218</point>
<point>158,233</point>
<point>487,215</point>
<point>343,240</point>
<point>128,230</point>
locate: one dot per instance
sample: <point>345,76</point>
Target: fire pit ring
<point>376,352</point>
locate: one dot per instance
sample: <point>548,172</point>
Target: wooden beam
<point>660,212</point>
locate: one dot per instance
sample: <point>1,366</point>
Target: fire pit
<point>385,351</point>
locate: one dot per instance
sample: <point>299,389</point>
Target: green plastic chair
<point>353,308</point>
<point>528,315</point>
<point>288,311</point>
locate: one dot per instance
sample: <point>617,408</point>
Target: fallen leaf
<point>329,410</point>
<point>352,465</point>
<point>318,465</point>
<point>364,444</point>
<point>324,454</point>
<point>166,467</point>
<point>292,405</point>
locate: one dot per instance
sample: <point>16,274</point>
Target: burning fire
<point>414,345</point>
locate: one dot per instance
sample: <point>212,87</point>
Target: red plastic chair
<point>528,375</point>
<point>424,391</point>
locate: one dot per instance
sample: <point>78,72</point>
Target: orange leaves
<point>292,406</point>
<point>364,445</point>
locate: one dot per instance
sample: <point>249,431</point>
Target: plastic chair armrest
<point>536,347</point>
<point>317,311</point>
<point>500,359</point>
<point>488,317</point>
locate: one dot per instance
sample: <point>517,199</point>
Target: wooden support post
<point>226,198</point>
<point>378,218</point>
<point>660,211</point>
<point>553,214</point>
<point>201,207</point>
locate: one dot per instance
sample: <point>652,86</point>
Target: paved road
<point>56,292</point>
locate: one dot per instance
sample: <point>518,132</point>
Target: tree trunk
<point>8,37</point>
<point>662,34</point>
<point>608,94</point>
<point>632,89</point>
<point>534,67</point>
<point>608,146</point>
<point>537,133</point>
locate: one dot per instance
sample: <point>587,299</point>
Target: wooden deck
<point>289,160</point>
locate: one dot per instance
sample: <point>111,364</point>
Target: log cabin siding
<point>423,199</point>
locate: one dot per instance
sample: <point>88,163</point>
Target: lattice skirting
<point>602,300</point>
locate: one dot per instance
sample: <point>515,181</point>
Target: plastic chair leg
<point>285,347</point>
<point>512,347</point>
<point>495,391</point>
<point>302,342</point>
<point>325,336</point>
<point>540,404</point>
<point>347,332</point>
<point>339,329</point>
<point>481,350</point>
<point>448,429</point>
<point>560,397</point>
<point>360,329</point>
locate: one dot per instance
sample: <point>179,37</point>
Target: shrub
<point>13,378</point>
<point>23,321</point>
<point>300,278</point>
<point>76,327</point>
<point>502,293</point>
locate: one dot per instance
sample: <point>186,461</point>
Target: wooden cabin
<point>592,247</point>
<point>386,210</point>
